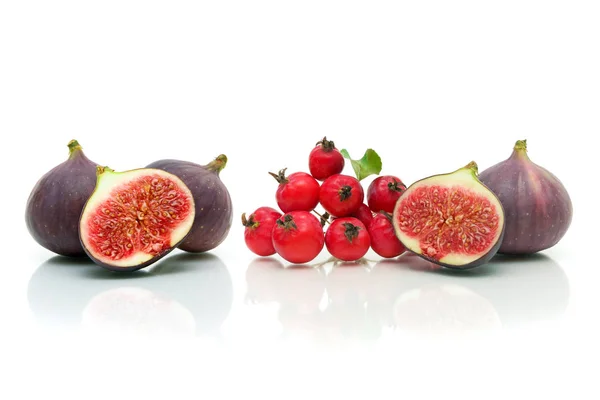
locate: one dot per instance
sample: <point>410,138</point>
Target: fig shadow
<point>178,263</point>
<point>416,263</point>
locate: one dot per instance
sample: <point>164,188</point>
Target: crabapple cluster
<point>349,226</point>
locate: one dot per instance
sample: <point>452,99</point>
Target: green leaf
<point>369,164</point>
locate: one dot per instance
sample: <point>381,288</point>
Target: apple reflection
<point>356,302</point>
<point>183,295</point>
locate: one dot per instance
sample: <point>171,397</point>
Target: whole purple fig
<point>538,209</point>
<point>214,214</point>
<point>56,201</point>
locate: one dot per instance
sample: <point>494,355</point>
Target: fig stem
<point>521,145</point>
<point>473,167</point>
<point>74,148</point>
<point>102,169</point>
<point>217,164</point>
<point>520,150</point>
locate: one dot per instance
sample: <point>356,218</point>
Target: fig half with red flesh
<point>134,218</point>
<point>214,211</point>
<point>452,219</point>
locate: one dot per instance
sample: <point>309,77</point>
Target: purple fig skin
<point>214,214</point>
<point>538,209</point>
<point>56,201</point>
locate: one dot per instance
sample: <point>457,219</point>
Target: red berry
<point>298,237</point>
<point>297,192</point>
<point>347,239</point>
<point>364,214</point>
<point>341,195</point>
<point>325,160</point>
<point>259,227</point>
<point>383,238</point>
<point>383,193</point>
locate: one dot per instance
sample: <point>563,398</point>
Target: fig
<point>134,218</point>
<point>537,206</point>
<point>56,201</point>
<point>452,219</point>
<point>214,214</point>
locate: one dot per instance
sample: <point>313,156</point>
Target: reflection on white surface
<point>182,295</point>
<point>345,302</point>
<point>457,311</point>
<point>134,311</point>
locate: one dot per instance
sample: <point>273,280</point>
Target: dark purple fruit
<point>537,206</point>
<point>55,203</point>
<point>134,218</point>
<point>213,202</point>
<point>452,219</point>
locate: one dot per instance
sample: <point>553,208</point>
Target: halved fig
<point>453,219</point>
<point>134,218</point>
<point>214,211</point>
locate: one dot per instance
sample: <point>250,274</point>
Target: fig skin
<point>214,214</point>
<point>538,208</point>
<point>484,258</point>
<point>57,200</point>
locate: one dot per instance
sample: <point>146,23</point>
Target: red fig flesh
<point>451,219</point>
<point>537,206</point>
<point>134,218</point>
<point>214,214</point>
<point>56,201</point>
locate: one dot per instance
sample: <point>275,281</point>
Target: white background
<point>430,85</point>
